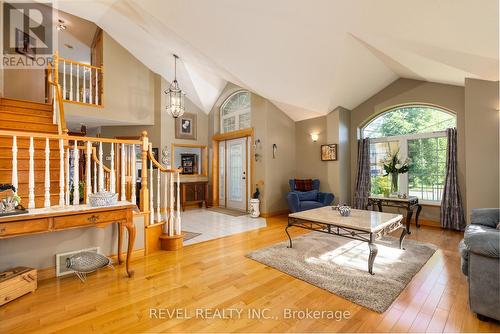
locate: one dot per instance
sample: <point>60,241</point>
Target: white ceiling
<point>308,57</point>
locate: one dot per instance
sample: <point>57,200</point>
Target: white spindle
<point>31,177</point>
<point>64,80</point>
<point>71,82</point>
<point>96,87</point>
<point>90,86</point>
<point>171,213</point>
<point>112,179</point>
<point>76,176</point>
<point>101,170</point>
<point>151,194</point>
<point>158,196</point>
<point>87,172</point>
<point>46,202</point>
<point>165,202</point>
<point>61,172</point>
<point>15,181</point>
<point>78,82</point>
<point>132,176</point>
<point>67,177</point>
<point>122,174</point>
<point>178,216</point>
<point>84,99</point>
<point>95,176</point>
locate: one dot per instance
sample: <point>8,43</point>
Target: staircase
<point>19,115</point>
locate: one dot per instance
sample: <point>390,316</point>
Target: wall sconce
<point>314,137</point>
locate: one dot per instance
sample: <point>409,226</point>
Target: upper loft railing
<point>80,83</point>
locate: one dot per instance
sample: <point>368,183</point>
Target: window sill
<point>429,203</point>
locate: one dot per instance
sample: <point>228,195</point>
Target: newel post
<point>144,200</point>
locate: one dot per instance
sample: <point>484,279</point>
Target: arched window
<point>235,112</point>
<point>416,132</point>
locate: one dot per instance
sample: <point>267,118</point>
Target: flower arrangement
<point>394,166</point>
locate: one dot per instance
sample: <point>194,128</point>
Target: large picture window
<point>235,112</point>
<point>419,133</point>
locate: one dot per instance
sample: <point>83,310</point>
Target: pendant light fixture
<point>175,96</point>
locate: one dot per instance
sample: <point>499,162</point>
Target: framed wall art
<point>185,126</point>
<point>329,152</point>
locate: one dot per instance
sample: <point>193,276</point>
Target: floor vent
<point>61,269</point>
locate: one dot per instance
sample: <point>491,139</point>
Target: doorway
<point>232,170</point>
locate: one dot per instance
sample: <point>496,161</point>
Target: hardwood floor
<point>216,275</point>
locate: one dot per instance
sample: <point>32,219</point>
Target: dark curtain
<point>363,181</point>
<point>452,212</point>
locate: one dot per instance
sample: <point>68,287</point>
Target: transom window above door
<point>417,132</point>
<point>235,112</point>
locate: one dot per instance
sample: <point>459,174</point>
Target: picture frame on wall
<point>25,44</point>
<point>185,126</point>
<point>329,152</point>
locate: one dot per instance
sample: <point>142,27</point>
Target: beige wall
<point>339,172</point>
<point>129,89</point>
<point>308,153</point>
<point>26,84</point>
<point>481,144</point>
<point>334,175</point>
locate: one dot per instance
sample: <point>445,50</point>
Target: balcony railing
<point>80,83</point>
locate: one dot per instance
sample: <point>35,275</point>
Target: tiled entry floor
<point>213,225</point>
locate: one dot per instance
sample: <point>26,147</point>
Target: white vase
<point>254,208</point>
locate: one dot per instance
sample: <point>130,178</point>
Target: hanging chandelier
<point>175,96</point>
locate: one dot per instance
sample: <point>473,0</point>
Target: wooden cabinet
<point>194,193</point>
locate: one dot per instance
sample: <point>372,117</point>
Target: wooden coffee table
<point>362,225</point>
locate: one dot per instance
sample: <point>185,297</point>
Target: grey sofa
<point>480,253</point>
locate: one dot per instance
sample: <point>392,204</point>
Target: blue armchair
<point>307,200</point>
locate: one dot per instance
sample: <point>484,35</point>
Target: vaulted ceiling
<point>308,57</point>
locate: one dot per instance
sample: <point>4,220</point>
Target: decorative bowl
<point>103,198</point>
<point>344,210</point>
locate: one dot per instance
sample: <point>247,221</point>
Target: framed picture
<point>329,152</point>
<point>185,126</point>
<point>25,44</point>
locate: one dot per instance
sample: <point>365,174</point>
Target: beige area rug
<point>339,265</point>
<point>233,213</point>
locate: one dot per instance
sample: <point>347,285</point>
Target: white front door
<point>236,174</point>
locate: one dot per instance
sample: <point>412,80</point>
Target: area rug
<point>233,213</point>
<point>189,235</point>
<point>339,265</point>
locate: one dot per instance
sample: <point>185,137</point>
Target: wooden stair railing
<point>67,147</point>
<point>171,216</point>
<point>56,98</point>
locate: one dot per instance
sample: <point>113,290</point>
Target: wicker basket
<point>103,198</point>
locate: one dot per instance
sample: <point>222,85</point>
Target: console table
<point>193,193</point>
<point>409,204</point>
<point>70,217</point>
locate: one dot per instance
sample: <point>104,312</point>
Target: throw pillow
<point>303,185</point>
<point>308,195</point>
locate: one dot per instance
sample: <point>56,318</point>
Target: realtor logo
<point>27,34</point>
